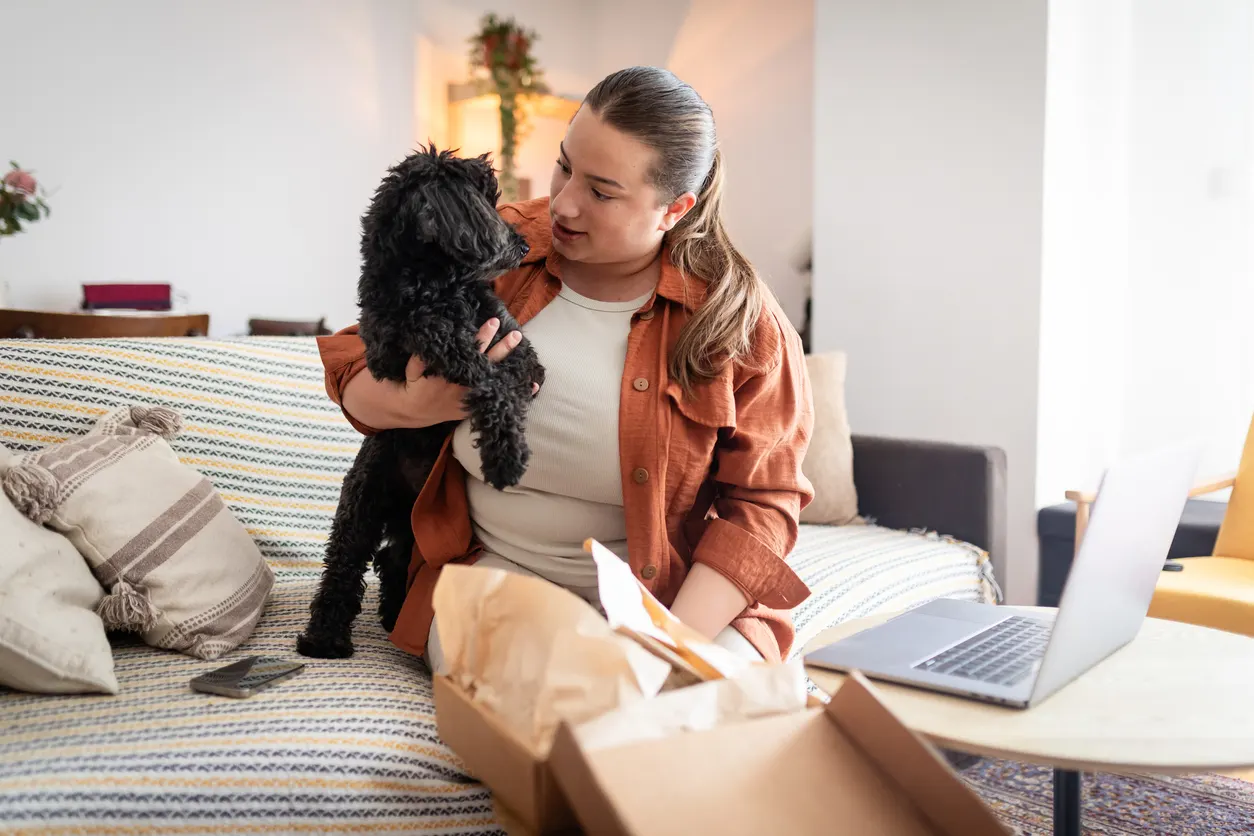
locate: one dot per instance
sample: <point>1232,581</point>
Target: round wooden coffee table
<point>1178,698</point>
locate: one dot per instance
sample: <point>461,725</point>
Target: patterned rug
<point>1114,805</point>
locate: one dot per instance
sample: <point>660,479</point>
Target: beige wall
<point>752,61</point>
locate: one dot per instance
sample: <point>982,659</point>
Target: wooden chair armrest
<point>1084,500</point>
<point>1082,497</point>
<point>1216,484</point>
<point>1202,488</point>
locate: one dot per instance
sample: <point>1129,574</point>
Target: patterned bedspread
<point>348,745</point>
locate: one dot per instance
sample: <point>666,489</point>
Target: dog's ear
<point>378,221</point>
<point>485,178</point>
<point>458,218</point>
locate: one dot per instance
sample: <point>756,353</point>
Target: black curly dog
<point>432,242</point>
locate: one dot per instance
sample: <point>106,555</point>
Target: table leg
<point>1067,803</point>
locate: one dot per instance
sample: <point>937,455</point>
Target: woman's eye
<point>599,195</point>
<point>565,168</point>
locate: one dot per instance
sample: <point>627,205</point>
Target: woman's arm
<point>708,601</point>
<point>740,560</point>
<point>374,405</point>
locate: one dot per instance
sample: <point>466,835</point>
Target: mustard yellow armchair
<point>1217,590</point>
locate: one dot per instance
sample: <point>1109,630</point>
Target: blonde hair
<point>654,106</point>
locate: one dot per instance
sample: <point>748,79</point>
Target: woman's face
<point>602,206</point>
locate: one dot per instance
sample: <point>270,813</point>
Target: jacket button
<point>640,384</point>
<point>640,475</point>
<point>648,572</point>
<point>647,314</point>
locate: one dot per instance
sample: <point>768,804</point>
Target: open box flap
<point>795,773</point>
<point>941,796</point>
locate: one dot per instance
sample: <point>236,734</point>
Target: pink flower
<point>22,182</point>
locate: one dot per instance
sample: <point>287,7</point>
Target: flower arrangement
<point>21,200</point>
<point>500,55</point>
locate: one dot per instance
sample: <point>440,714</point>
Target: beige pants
<point>729,638</point>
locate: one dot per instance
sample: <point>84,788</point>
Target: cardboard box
<point>518,776</point>
<point>847,767</point>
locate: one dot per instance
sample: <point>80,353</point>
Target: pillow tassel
<point>127,608</point>
<point>33,490</point>
<point>157,420</point>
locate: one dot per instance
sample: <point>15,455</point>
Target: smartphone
<point>247,676</point>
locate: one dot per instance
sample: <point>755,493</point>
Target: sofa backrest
<point>256,421</point>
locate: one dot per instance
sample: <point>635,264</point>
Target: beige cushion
<point>180,569</point>
<point>51,641</point>
<point>829,461</point>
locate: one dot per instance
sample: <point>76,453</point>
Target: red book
<point>139,297</point>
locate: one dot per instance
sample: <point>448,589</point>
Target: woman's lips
<point>565,234</point>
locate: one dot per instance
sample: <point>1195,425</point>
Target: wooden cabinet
<point>79,326</point>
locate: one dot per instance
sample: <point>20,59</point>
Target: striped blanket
<point>348,745</point>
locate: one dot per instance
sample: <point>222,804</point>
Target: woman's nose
<point>563,206</point>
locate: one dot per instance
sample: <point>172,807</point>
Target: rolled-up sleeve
<point>761,488</point>
<point>343,357</point>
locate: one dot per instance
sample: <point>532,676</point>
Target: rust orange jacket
<point>715,478</point>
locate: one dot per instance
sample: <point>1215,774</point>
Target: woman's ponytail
<point>721,329</point>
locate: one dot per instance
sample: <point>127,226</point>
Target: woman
<point>676,409</point>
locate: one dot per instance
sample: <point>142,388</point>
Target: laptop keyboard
<point>1002,655</point>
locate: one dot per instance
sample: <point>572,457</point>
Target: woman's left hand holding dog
<point>421,401</point>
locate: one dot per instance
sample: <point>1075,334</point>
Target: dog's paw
<point>536,375</point>
<point>324,646</point>
<point>388,613</point>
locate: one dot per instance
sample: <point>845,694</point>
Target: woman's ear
<point>675,212</point>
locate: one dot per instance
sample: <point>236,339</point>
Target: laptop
<point>990,653</point>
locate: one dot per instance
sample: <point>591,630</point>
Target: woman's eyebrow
<point>606,180</point>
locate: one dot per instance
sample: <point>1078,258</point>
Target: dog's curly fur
<point>432,241</point>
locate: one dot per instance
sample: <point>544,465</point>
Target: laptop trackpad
<point>901,641</point>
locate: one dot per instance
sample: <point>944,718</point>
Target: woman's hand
<point>419,401</point>
<point>433,400</point>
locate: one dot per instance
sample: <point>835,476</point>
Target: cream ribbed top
<point>573,488</point>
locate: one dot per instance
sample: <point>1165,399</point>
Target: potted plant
<point>21,201</point>
<point>501,58</point>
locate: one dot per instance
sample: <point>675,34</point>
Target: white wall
<point>1189,355</point>
<point>226,147</point>
<point>928,146</point>
<point>1149,222</point>
<point>1085,241</point>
